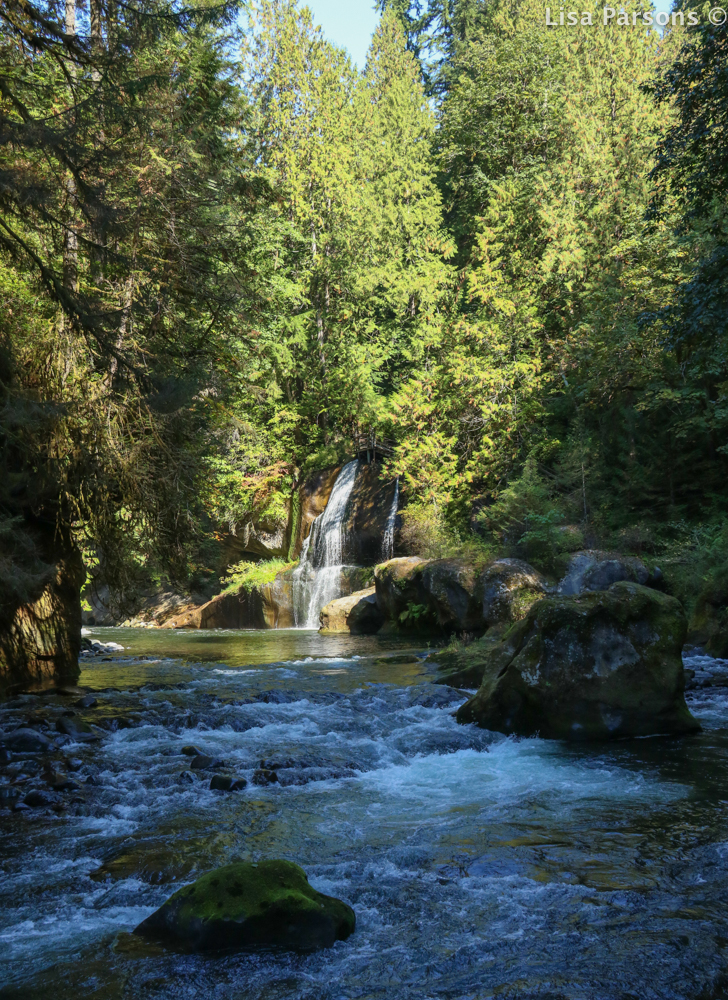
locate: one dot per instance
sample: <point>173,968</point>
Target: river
<point>479,866</point>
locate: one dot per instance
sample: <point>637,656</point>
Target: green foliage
<point>414,614</point>
<point>247,576</point>
<point>501,247</point>
<point>424,532</point>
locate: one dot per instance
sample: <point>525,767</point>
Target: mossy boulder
<point>455,595</point>
<point>251,906</point>
<point>448,591</point>
<point>506,591</point>
<point>603,665</point>
<point>398,585</point>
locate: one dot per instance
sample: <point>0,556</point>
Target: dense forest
<point>225,252</point>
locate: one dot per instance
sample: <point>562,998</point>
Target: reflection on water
<point>478,866</point>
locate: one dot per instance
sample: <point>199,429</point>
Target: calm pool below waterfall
<point>478,866</point>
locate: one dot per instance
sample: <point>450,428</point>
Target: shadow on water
<point>478,866</point>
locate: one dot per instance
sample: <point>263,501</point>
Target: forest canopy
<point>225,252</point>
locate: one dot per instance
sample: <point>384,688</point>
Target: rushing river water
<point>478,866</point>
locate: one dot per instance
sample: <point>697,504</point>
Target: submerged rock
<point>35,799</point>
<point>357,614</point>
<point>76,729</point>
<point>264,776</point>
<point>249,906</point>
<point>203,763</point>
<point>602,665</point>
<point>88,701</point>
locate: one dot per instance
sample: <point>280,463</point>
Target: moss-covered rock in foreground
<point>249,906</point>
<point>603,665</point>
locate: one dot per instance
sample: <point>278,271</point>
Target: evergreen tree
<point>355,227</point>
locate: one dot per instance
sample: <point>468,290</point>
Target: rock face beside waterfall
<point>341,521</point>
<point>251,906</point>
<point>603,665</point>
<point>368,513</point>
<point>357,614</point>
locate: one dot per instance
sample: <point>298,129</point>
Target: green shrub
<point>247,575</point>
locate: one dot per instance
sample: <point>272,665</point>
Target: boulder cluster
<point>595,655</point>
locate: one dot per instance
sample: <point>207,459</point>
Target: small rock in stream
<point>186,778</point>
<point>190,751</point>
<point>76,729</point>
<point>224,783</point>
<point>88,701</point>
<point>251,906</point>
<point>28,741</point>
<point>264,776</point>
<point>203,763</point>
<point>35,799</point>
<point>61,783</point>
<point>8,795</point>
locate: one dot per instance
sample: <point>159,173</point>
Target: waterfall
<point>388,538</point>
<point>317,579</point>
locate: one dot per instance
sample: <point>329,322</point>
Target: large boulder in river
<point>243,609</point>
<point>602,665</point>
<point>357,614</point>
<point>595,570</point>
<point>277,601</point>
<point>463,665</point>
<point>251,906</point>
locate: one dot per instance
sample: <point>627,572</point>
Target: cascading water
<point>388,538</point>
<point>317,580</point>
